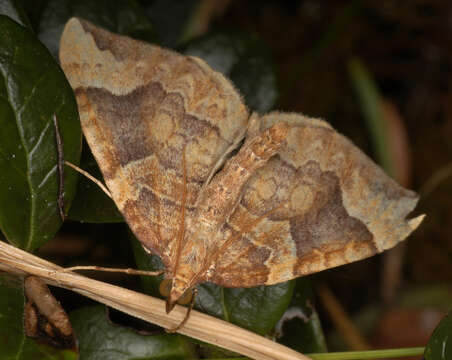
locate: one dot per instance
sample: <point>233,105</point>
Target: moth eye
<point>165,287</point>
<point>186,297</point>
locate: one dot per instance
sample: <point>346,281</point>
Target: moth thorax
<point>178,287</point>
<point>210,271</point>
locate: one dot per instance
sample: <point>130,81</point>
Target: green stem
<point>370,354</point>
<point>359,355</point>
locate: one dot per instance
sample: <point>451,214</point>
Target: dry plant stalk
<point>199,326</point>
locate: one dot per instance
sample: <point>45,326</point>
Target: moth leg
<point>107,269</point>
<point>60,165</point>
<point>187,314</point>
<point>89,176</point>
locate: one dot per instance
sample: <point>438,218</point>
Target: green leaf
<point>91,204</point>
<point>439,346</point>
<point>257,309</point>
<point>124,17</point>
<point>99,338</point>
<point>14,345</point>
<point>369,354</point>
<point>245,60</point>
<point>12,9</point>
<point>32,90</point>
<point>300,326</point>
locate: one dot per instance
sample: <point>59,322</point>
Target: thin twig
<point>199,326</point>
<point>60,165</point>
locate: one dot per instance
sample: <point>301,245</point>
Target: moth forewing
<point>161,126</point>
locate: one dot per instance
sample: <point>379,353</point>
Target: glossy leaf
<point>245,61</point>
<point>14,345</point>
<point>91,204</point>
<point>12,9</point>
<point>439,346</point>
<point>32,90</point>
<point>124,17</point>
<point>257,309</point>
<point>99,338</point>
<point>300,327</point>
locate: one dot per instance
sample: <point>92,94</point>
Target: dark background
<point>406,49</point>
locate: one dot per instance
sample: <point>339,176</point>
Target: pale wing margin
<point>144,112</point>
<point>319,203</point>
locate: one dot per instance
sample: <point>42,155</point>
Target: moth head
<point>175,291</point>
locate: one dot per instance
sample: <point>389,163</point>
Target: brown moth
<point>296,198</point>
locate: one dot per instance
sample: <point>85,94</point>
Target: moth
<point>218,194</point>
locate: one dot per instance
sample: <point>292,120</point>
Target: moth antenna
<point>60,165</point>
<point>187,314</point>
<point>89,176</point>
<point>181,232</point>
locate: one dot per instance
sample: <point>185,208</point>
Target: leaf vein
<point>38,142</point>
<point>21,135</point>
<point>27,99</point>
<point>47,177</point>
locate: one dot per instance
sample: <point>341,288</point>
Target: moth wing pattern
<point>161,125</point>
<point>145,111</point>
<point>319,203</point>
